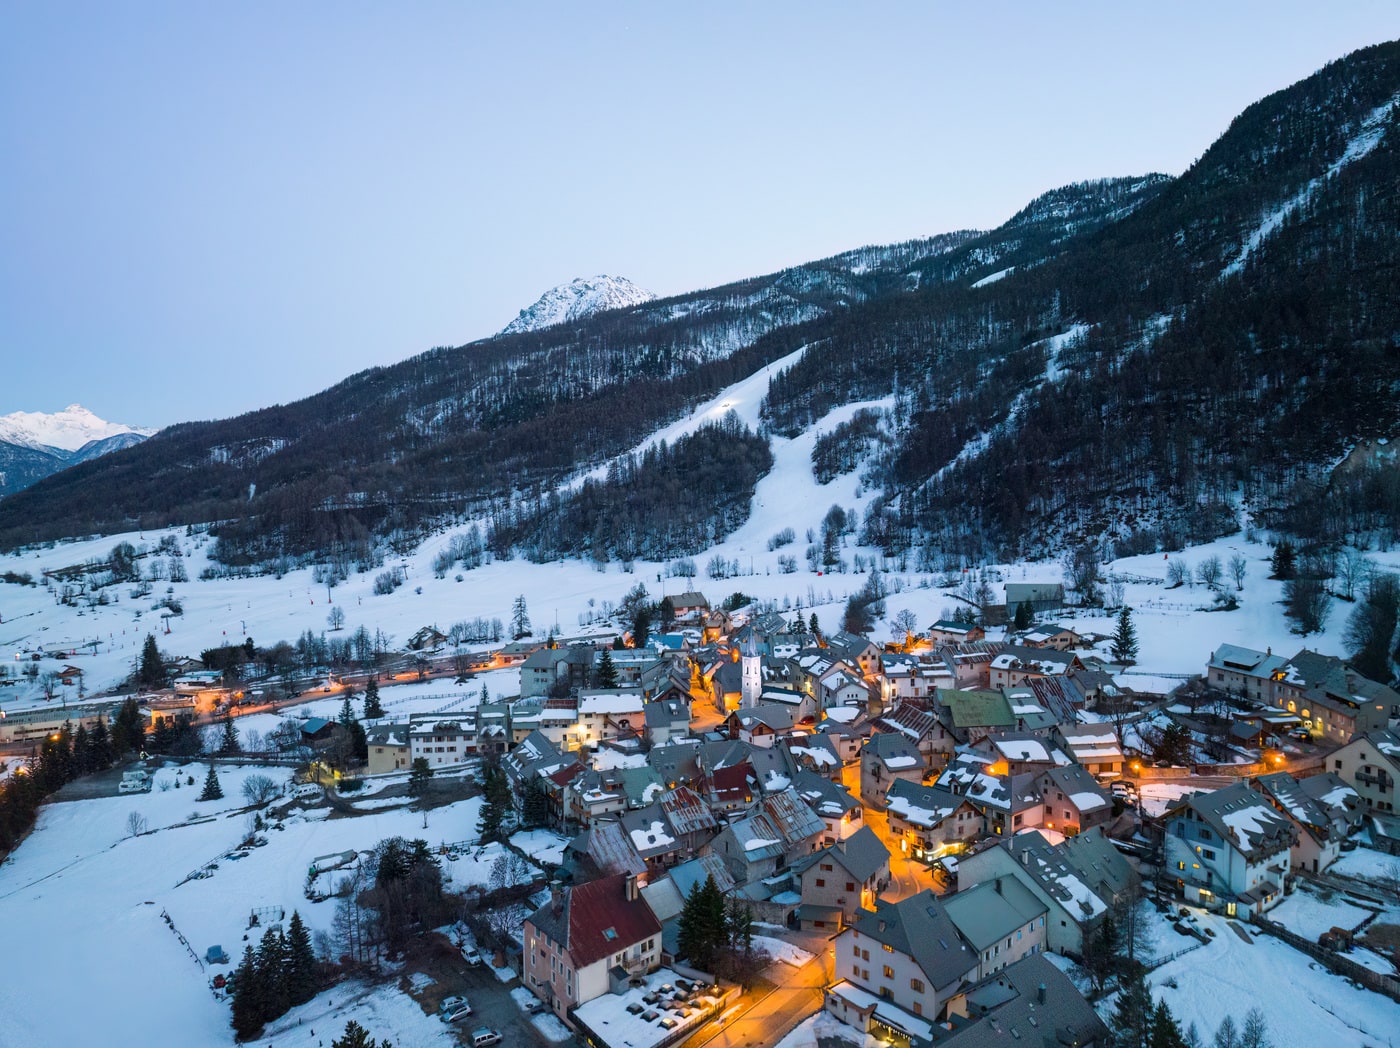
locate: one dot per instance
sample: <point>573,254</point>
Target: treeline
<point>669,501</point>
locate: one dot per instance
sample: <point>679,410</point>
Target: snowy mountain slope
<point>580,297</point>
<point>67,430</point>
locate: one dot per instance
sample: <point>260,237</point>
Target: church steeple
<point>750,668</point>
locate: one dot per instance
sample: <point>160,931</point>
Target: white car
<point>471,955</point>
<point>483,1036</point>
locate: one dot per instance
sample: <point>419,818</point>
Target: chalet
<point>916,677</point>
<point>843,688</point>
<point>1031,715</point>
<point>1229,849</point>
<point>427,638</point>
<point>605,714</point>
<point>592,795</point>
<point>1015,752</point>
<point>1061,638</point>
<point>666,719</point>
<point>552,671</point>
<point>1094,746</point>
<point>905,956</point>
<point>773,768</point>
<point>930,821</point>
<point>1078,880</point>
<point>1370,764</point>
<point>441,742</point>
<point>844,877</point>
<point>516,652</point>
<point>1016,664</point>
<point>951,631</point>
<point>1073,800</point>
<point>862,654</point>
<point>833,804</point>
<point>761,725</point>
<point>1008,803</point>
<point>1341,803</point>
<point>731,788</point>
<point>843,727</point>
<point>603,849</point>
<point>1001,919</point>
<point>884,759</point>
<point>388,748</point>
<point>1317,841</point>
<point>690,605</point>
<point>677,763</point>
<point>574,940</point>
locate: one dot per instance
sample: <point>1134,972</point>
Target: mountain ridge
<point>579,298</point>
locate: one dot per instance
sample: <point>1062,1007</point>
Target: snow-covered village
<point>666,805</point>
<point>699,526</point>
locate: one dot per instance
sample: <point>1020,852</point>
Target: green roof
<point>977,709</point>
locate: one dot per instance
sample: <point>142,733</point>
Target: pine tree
<point>519,619</point>
<point>666,613</point>
<point>420,777</point>
<point>82,751</point>
<point>1125,645</point>
<point>347,714</point>
<point>1165,1032</point>
<point>212,790</point>
<point>1282,565</point>
<point>101,746</point>
<point>703,930</point>
<point>373,710</point>
<point>301,962</point>
<point>814,627</point>
<point>607,671</point>
<point>128,733</point>
<point>1132,1018</point>
<point>534,805</point>
<point>641,627</point>
<point>247,1015</point>
<point>1024,616</point>
<point>356,1036</point>
<point>273,995</point>
<point>229,744</point>
<point>150,673</point>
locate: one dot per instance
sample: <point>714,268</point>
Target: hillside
<point>1129,359</point>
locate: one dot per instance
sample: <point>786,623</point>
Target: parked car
<point>457,1014</point>
<point>455,1006</point>
<point>1300,735</point>
<point>471,955</point>
<point>483,1036</point>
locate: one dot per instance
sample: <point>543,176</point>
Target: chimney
<point>1040,994</point>
<point>631,887</point>
<point>998,885</point>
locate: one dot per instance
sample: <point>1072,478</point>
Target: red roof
<point>603,921</point>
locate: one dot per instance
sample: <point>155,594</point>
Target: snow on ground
<point>781,950</point>
<point>475,867</point>
<point>541,845</point>
<point>384,1011</point>
<point>823,1025</point>
<point>85,898</point>
<point>1304,1003</point>
<point>1307,913</point>
<point>1157,797</point>
<point>1366,863</point>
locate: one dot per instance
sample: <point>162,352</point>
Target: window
<point>889,972</point>
<point>1206,853</point>
<point>821,882</point>
<point>889,948</point>
<point>865,955</point>
<point>850,886</point>
<point>855,950</point>
<point>917,985</point>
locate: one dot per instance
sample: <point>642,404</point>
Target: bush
<point>350,785</point>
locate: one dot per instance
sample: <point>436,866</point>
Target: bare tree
<point>259,789</point>
<point>1210,572</point>
<point>335,618</point>
<point>136,824</point>
<point>1353,569</point>
<point>1238,567</point>
<point>1178,573</point>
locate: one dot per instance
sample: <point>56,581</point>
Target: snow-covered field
<point>782,950</point>
<point>81,902</point>
<point>1304,1003</point>
<point>822,1025</point>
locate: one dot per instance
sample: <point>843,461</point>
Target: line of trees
<point>281,974</point>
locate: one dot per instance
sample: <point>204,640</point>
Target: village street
<point>796,994</point>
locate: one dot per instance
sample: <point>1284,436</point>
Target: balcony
<point>1381,780</point>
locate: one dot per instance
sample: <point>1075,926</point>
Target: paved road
<point>763,1021</point>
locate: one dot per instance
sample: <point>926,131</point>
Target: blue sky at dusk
<point>210,208</point>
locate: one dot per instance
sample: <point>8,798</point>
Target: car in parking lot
<point>1123,790</point>
<point>1300,735</point>
<point>454,1009</point>
<point>483,1036</point>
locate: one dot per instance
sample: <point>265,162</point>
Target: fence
<point>1341,965</point>
<point>1160,961</point>
<point>170,923</point>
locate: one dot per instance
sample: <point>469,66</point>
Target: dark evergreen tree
<point>420,778</point>
<point>101,745</point>
<point>273,994</point>
<point>373,710</point>
<point>703,930</point>
<point>301,962</point>
<point>607,671</point>
<point>82,751</point>
<point>534,805</point>
<point>814,627</point>
<point>212,790</point>
<point>128,733</point>
<point>1125,644</point>
<point>247,1009</point>
<point>359,742</point>
<point>496,812</point>
<point>228,743</point>
<point>150,673</point>
<point>1282,564</point>
<point>666,613</point>
<point>641,627</point>
<point>1132,1018</point>
<point>347,714</point>
<point>1165,1032</point>
<point>1024,616</point>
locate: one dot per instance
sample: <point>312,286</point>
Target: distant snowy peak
<point>578,298</point>
<point>69,429</point>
